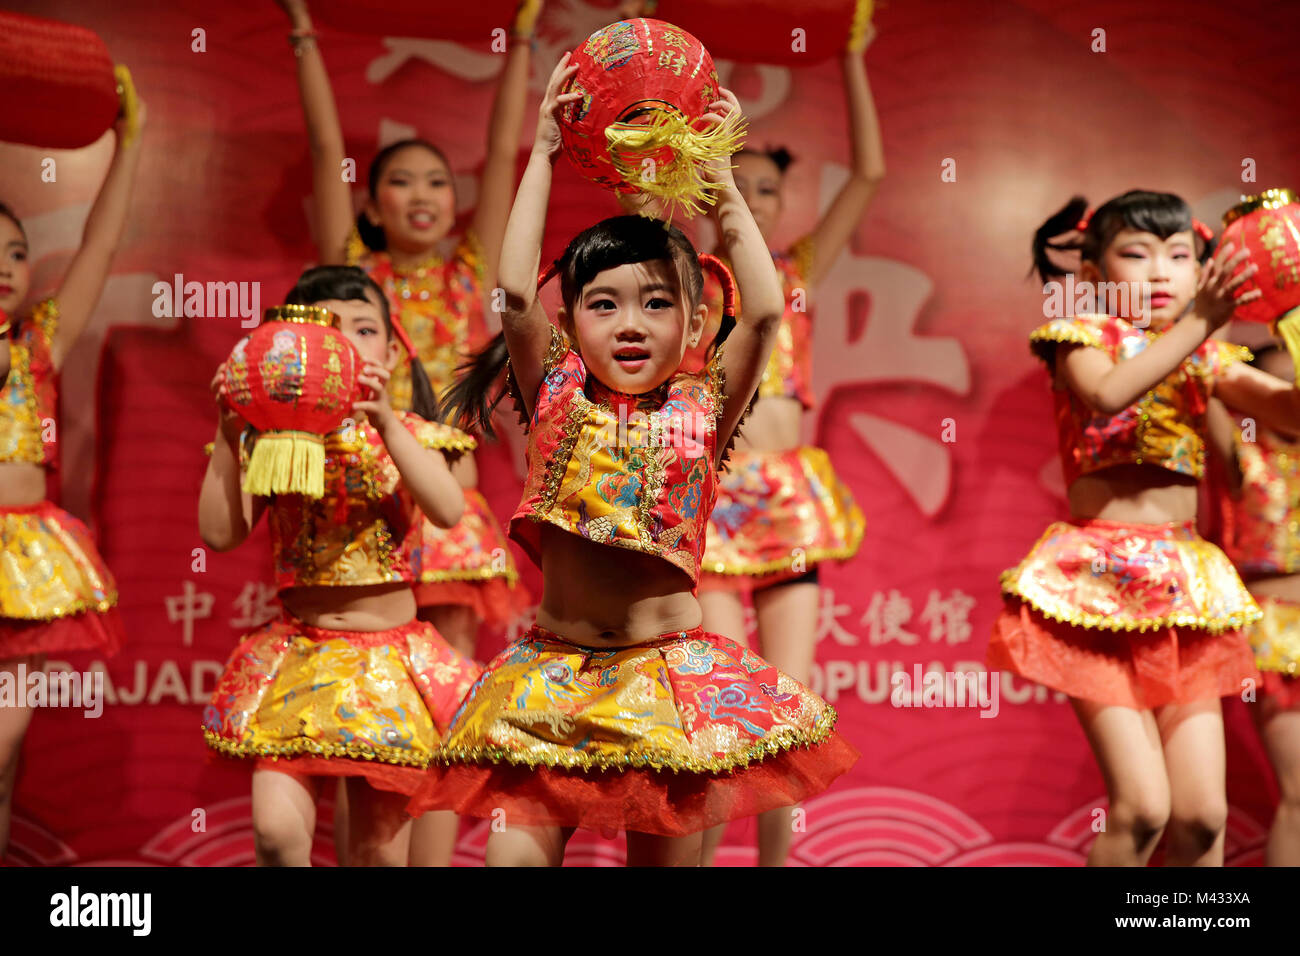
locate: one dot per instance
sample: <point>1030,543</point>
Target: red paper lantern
<point>771,31</point>
<point>645,84</point>
<point>60,92</point>
<point>468,23</point>
<point>1268,225</point>
<point>294,378</point>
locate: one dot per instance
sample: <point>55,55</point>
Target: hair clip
<point>1082,224</point>
<point>1202,230</point>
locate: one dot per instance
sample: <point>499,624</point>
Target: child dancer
<point>1124,607</point>
<point>617,710</point>
<point>781,509</point>
<point>347,682</point>
<point>56,594</point>
<point>464,575</point>
<point>1261,534</point>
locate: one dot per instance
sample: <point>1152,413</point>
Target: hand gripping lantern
<point>294,379</point>
<point>1268,225</point>
<point>645,84</point>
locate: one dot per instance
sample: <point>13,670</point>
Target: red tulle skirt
<point>1282,690</point>
<point>494,601</point>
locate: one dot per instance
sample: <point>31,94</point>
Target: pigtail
<point>470,401</point>
<point>423,400</point>
<point>728,282</point>
<point>371,235</point>
<point>1067,219</point>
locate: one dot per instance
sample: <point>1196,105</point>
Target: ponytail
<point>1064,220</point>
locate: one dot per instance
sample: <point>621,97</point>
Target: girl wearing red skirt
<point>348,682</point>
<point>56,594</point>
<point>1124,607</point>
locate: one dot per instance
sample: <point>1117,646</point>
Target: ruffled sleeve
<point>557,353</point>
<point>437,436</point>
<point>470,260</point>
<point>1214,357</point>
<point>801,257</point>
<point>45,320</point>
<point>1080,330</point>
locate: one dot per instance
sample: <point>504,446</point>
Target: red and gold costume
<point>670,736</point>
<point>1261,534</point>
<point>440,304</point>
<point>56,593</point>
<point>1137,615</point>
<point>372,704</point>
<point>780,513</point>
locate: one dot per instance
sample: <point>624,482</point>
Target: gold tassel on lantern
<point>287,463</point>
<point>681,182</point>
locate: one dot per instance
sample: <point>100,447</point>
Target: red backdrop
<point>920,337</point>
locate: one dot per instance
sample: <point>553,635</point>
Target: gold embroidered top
<point>28,399</point>
<point>1165,427</point>
<point>362,530</point>
<point>439,303</point>
<point>1261,528</point>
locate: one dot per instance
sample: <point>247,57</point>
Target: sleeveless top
<point>789,369</point>
<point>1165,427</point>
<point>1261,528</point>
<point>629,471</point>
<point>28,399</point>
<point>440,304</point>
<point>364,527</point>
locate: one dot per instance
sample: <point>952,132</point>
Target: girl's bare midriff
<point>372,607</point>
<point>772,425</point>
<point>1142,494</point>
<point>21,484</point>
<point>596,595</point>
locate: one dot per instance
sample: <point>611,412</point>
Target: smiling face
<point>633,324</point>
<point>362,324</point>
<point>758,181</point>
<point>414,201</point>
<point>15,271</point>
<point>1168,266</point>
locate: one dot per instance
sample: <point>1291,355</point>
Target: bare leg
<point>647,849</point>
<point>13,726</point>
<point>1280,731</point>
<point>787,635</point>
<point>456,623</point>
<point>379,832</point>
<point>1126,743</point>
<point>724,613</point>
<point>527,846</point>
<point>1194,753</point>
<point>284,818</point>
<point>341,822</point>
<point>433,838</point>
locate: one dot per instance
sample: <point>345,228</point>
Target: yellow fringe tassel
<point>858,31</point>
<point>130,103</point>
<point>679,182</point>
<point>1287,326</point>
<point>526,17</point>
<point>287,463</point>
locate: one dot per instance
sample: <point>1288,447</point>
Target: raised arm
<point>747,348</point>
<point>497,188</point>
<point>83,283</point>
<point>841,218</point>
<point>331,196</point>
<point>523,321</point>
<point>226,514</point>
<point>1110,387</point>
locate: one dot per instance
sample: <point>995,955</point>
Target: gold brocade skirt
<point>777,515</point>
<point>56,593</point>
<point>319,701</point>
<point>671,736</point>
<point>1275,639</point>
<point>1137,615</point>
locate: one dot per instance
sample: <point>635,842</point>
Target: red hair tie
<point>548,274</point>
<point>1082,224</point>
<point>400,331</point>
<point>725,279</point>
<point>1202,230</point>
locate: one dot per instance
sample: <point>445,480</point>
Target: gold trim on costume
<point>302,747</point>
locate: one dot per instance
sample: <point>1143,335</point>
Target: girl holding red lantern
<point>348,682</point>
<point>464,575</point>
<point>1124,607</point>
<point>617,710</point>
<point>56,594</point>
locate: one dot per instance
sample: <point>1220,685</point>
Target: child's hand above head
<point>548,142</point>
<point>230,423</point>
<point>725,107</point>
<point>1216,288</point>
<point>376,405</point>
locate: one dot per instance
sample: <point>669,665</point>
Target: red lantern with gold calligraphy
<point>645,85</point>
<point>1268,225</point>
<point>294,378</point>
<point>771,31</point>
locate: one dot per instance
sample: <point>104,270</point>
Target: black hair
<point>372,235</point>
<point>1162,214</point>
<point>612,242</point>
<point>779,155</point>
<point>350,284</point>
<point>13,217</point>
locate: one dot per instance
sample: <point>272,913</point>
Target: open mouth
<point>420,219</point>
<point>632,357</point>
